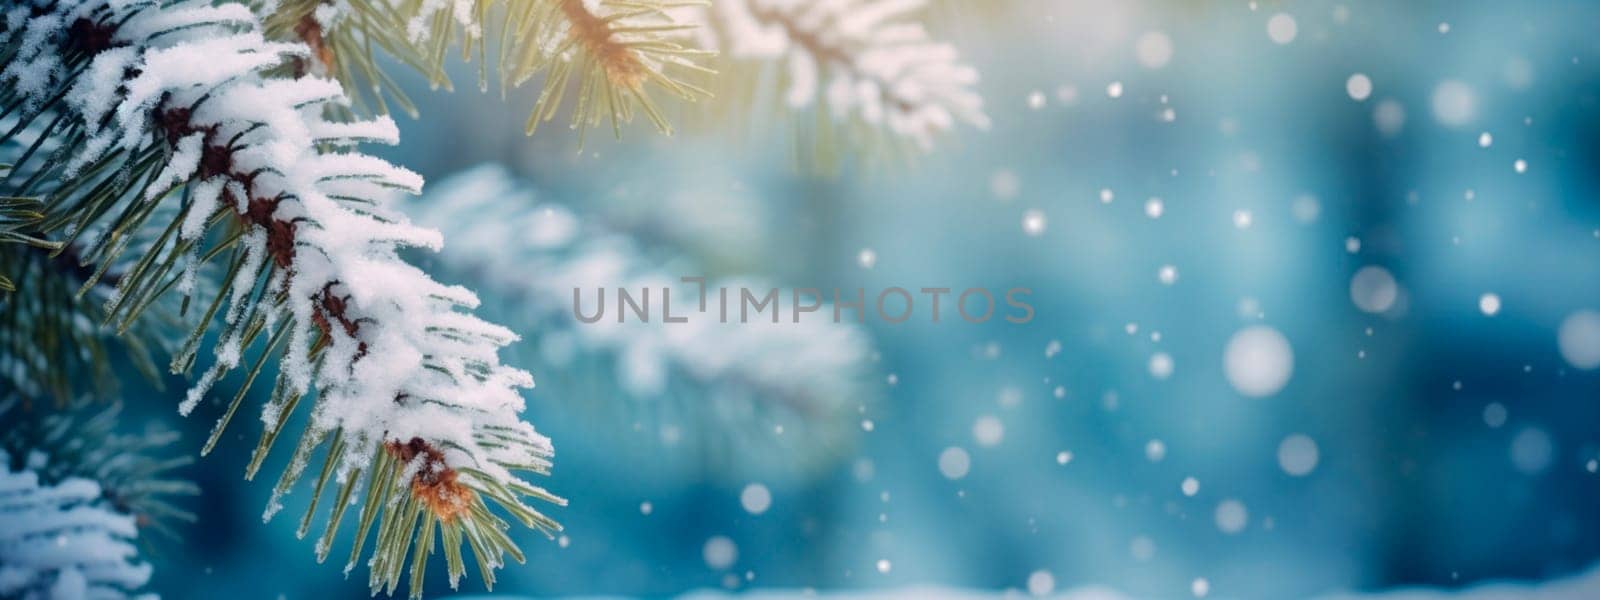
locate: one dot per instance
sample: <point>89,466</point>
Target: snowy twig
<point>865,62</point>
<point>164,100</point>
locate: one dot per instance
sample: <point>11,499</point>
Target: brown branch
<point>435,483</point>
<point>621,63</point>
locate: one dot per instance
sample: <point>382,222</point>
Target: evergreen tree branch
<point>52,343</point>
<point>81,440</point>
<point>113,110</point>
<point>17,216</point>
<point>61,541</point>
<point>52,346</point>
<point>610,51</point>
<point>73,496</point>
<point>867,71</point>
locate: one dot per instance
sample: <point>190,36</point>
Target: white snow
<point>1489,304</point>
<point>1282,28</point>
<point>1298,455</point>
<point>867,258</point>
<point>1258,361</point>
<point>720,552</point>
<point>1033,222</point>
<point>1160,365</point>
<point>1454,103</point>
<point>1373,289</point>
<point>63,542</point>
<point>1390,117</point>
<point>1579,339</point>
<point>1153,49</point>
<point>988,431</point>
<point>1532,450</point>
<point>1358,86</point>
<point>861,60</point>
<point>1580,586</point>
<point>1155,450</point>
<point>1231,516</point>
<point>954,463</point>
<point>409,365</point>
<point>1041,583</point>
<point>755,498</point>
<point>1154,208</point>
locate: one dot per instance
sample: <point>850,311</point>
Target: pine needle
<point>624,47</point>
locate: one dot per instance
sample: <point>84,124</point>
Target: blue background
<point>1412,485</point>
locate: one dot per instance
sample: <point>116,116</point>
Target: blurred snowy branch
<point>866,63</point>
<point>796,385</point>
<point>74,494</point>
<point>62,541</point>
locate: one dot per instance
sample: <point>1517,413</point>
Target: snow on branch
<point>783,396</point>
<point>867,63</point>
<point>81,440</point>
<point>64,541</point>
<point>74,495</point>
<point>188,104</point>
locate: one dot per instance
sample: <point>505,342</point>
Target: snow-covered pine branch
<point>62,541</point>
<point>614,49</point>
<point>867,63</point>
<point>82,440</point>
<point>187,103</point>
<point>737,385</point>
<point>74,494</point>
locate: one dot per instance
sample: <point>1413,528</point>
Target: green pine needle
<point>614,56</point>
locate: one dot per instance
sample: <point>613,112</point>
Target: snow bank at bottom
<point>1582,586</point>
